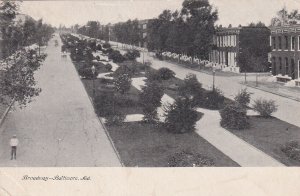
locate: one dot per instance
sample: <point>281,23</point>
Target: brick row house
<point>232,43</point>
<point>143,27</point>
<point>285,55</point>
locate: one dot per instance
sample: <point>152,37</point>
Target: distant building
<point>229,44</point>
<point>143,26</point>
<point>285,55</point>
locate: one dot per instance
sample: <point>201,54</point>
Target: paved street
<point>59,128</point>
<point>288,110</point>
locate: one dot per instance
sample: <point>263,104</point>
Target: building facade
<point>229,44</point>
<point>225,49</point>
<point>285,55</point>
<point>143,27</point>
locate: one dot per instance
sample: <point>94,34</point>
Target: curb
<point>5,113</point>
<point>285,96</point>
<point>107,134</point>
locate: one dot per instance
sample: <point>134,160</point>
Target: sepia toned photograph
<point>148,83</point>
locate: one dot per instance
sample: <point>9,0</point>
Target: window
<point>286,42</point>
<point>280,43</point>
<point>293,43</point>
<point>274,43</point>
<point>286,65</point>
<point>280,64</point>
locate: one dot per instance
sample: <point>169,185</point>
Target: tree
<point>189,31</point>
<point>122,83</point>
<point>234,116</point>
<point>116,56</point>
<point>132,55</point>
<point>201,18</point>
<point>180,117</point>
<point>165,73</point>
<point>150,99</point>
<point>191,87</point>
<point>8,12</point>
<point>283,17</point>
<point>17,76</point>
<point>243,98</point>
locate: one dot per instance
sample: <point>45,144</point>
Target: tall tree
<point>8,12</point>
<point>283,17</point>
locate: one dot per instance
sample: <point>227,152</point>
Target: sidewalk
<point>276,89</point>
<point>59,128</point>
<point>237,149</point>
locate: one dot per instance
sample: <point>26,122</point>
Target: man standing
<point>14,143</point>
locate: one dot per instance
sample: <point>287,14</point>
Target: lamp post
<point>93,71</point>
<point>214,73</point>
<point>143,56</point>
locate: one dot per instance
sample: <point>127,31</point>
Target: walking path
<point>237,149</point>
<point>208,127</point>
<point>59,128</point>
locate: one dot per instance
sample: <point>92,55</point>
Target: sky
<point>68,13</point>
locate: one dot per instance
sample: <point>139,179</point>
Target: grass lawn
<point>268,135</point>
<point>145,145</point>
<point>132,94</point>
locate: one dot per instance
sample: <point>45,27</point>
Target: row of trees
<point>187,31</point>
<point>93,29</point>
<point>17,33</point>
<point>19,63</point>
<point>283,17</point>
<point>127,32</point>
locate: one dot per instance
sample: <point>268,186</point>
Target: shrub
<point>108,67</point>
<point>132,55</point>
<point>191,88</point>
<point>159,56</point>
<point>106,45</point>
<point>116,119</point>
<point>108,51</point>
<point>125,69</point>
<point>122,83</point>
<point>116,56</point>
<point>165,73</point>
<point>151,94</point>
<point>150,99</point>
<point>213,99</point>
<point>153,75</point>
<point>180,117</point>
<point>86,72</point>
<point>264,107</point>
<point>234,116</point>
<point>98,58</point>
<point>92,45</point>
<point>292,150</point>
<point>243,98</point>
<point>99,47</point>
<point>188,159</point>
